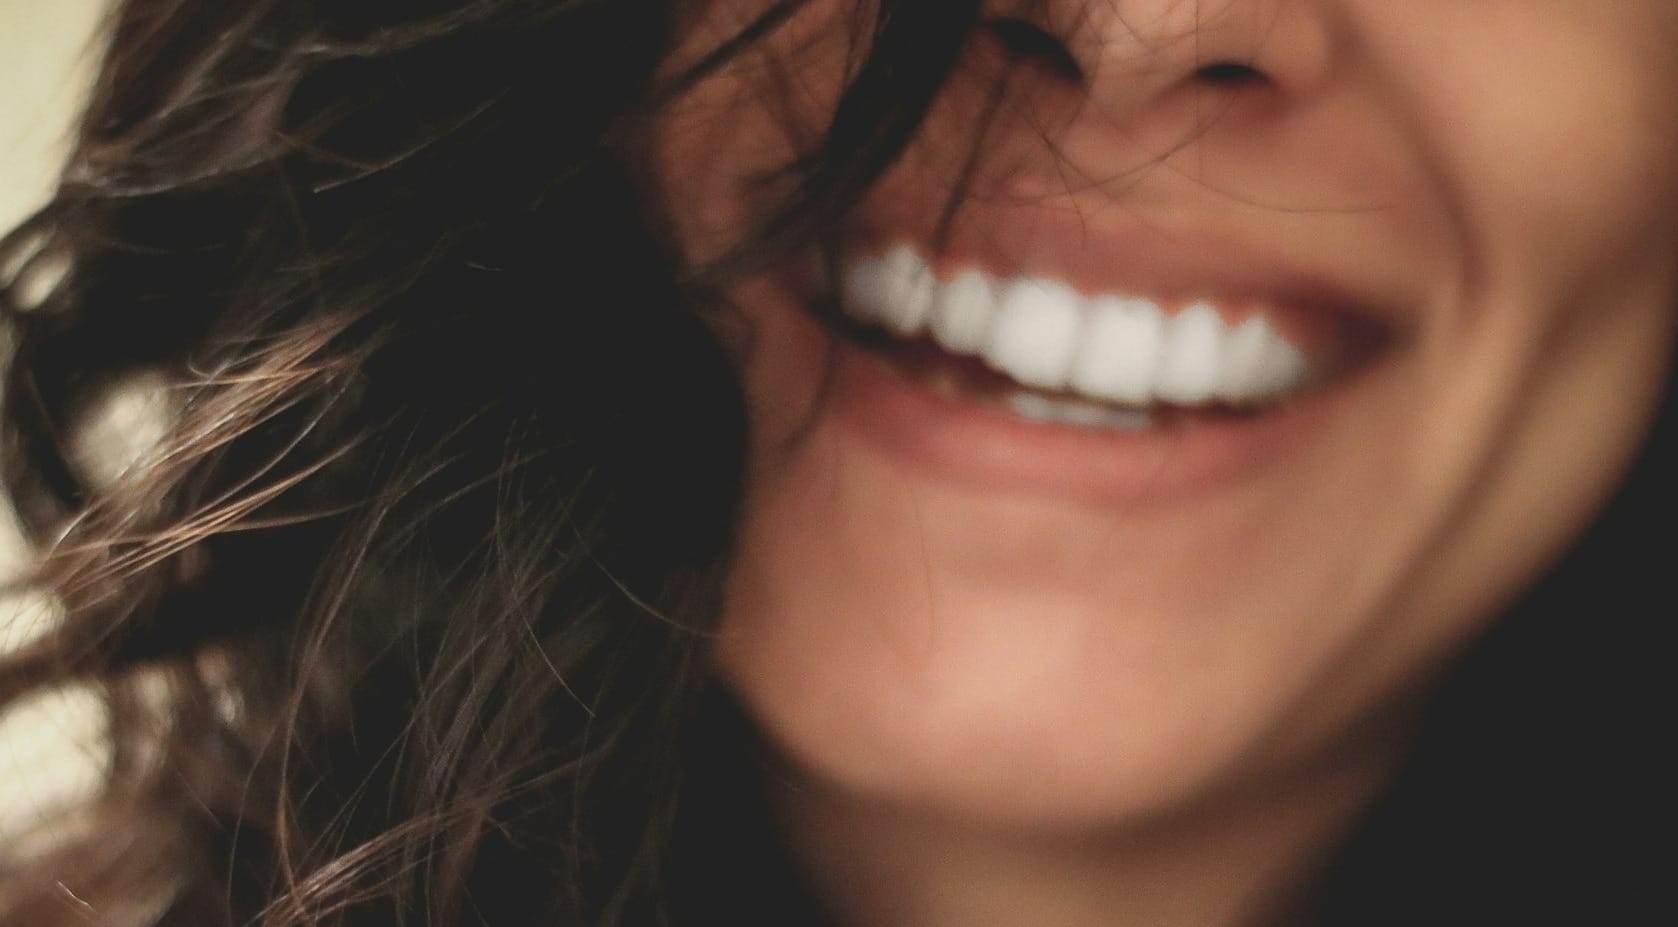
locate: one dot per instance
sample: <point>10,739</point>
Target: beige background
<point>49,747</point>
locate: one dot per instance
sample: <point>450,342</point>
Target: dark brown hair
<point>404,621</point>
<point>400,622</point>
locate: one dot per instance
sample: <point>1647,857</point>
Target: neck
<point>1238,860</point>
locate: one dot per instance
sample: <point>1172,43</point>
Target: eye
<point>1022,40</point>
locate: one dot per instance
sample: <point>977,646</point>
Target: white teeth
<point>1191,359</point>
<point>895,291</point>
<point>1283,367</point>
<point>1112,349</point>
<point>1035,335</point>
<point>1244,351</point>
<point>962,313</point>
<point>1041,408</point>
<point>1120,351</point>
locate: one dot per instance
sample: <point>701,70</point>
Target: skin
<point>1164,708</point>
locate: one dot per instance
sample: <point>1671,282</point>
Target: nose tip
<point>1169,78</point>
<point>1138,49</point>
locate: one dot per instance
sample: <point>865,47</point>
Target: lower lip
<point>968,443</point>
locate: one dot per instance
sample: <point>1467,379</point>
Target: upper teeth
<point>1044,334</point>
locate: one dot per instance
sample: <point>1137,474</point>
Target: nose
<point>1155,78</point>
<point>1136,51</point>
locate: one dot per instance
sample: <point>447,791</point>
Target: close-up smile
<point>1013,377</point>
<point>868,463</point>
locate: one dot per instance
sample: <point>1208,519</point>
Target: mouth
<point>1022,382</point>
<point>1037,349</point>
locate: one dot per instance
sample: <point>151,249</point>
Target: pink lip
<point>960,441</point>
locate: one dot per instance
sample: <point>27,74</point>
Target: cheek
<point>1555,133</point>
<point>1552,145</point>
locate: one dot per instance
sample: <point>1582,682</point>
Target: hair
<point>404,620</point>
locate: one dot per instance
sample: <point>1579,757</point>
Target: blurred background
<point>50,749</point>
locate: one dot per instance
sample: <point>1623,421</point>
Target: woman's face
<point>1237,544</point>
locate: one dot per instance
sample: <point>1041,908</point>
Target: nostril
<point>1026,41</point>
<point>1229,74</point>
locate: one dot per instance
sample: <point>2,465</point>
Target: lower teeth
<point>957,384</point>
<point>1040,408</point>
